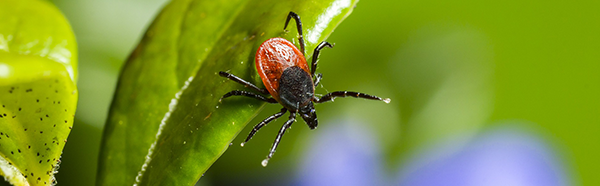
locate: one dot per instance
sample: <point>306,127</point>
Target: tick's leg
<point>298,26</point>
<point>315,56</point>
<point>285,126</point>
<point>318,79</point>
<point>263,123</point>
<point>243,82</point>
<point>332,95</point>
<point>248,94</point>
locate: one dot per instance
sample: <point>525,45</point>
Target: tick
<point>287,78</point>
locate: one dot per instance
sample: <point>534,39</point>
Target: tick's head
<point>309,114</point>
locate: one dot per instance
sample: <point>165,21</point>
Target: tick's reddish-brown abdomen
<point>273,57</point>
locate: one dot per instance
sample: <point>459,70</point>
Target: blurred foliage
<point>479,62</point>
<point>473,63</point>
<point>38,72</point>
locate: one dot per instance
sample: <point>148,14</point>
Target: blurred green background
<point>451,68</point>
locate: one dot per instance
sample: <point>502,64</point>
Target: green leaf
<point>38,96</point>
<point>166,126</point>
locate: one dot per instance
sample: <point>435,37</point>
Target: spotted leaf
<point>38,95</point>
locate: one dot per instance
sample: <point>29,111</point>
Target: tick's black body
<point>294,90</point>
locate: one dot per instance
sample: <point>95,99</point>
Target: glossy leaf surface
<point>166,126</point>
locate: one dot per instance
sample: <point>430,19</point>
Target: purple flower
<point>348,154</point>
<point>341,154</point>
<point>498,157</point>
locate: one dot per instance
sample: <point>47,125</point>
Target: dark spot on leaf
<point>19,150</point>
<point>54,125</point>
<point>29,147</point>
<point>11,152</point>
<point>28,90</point>
<point>41,119</point>
<point>14,116</point>
<point>32,174</point>
<point>47,115</point>
<point>70,127</point>
<point>41,132</point>
<point>19,108</point>
<point>40,161</point>
<point>58,102</point>
<point>38,155</point>
<point>45,144</point>
<point>1,116</point>
<point>47,160</point>
<point>37,100</point>
<point>65,121</point>
<point>25,129</point>
<point>39,177</point>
